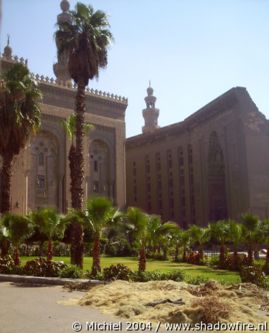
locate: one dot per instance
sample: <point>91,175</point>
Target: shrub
<point>157,276</point>
<point>265,269</point>
<point>233,264</point>
<point>197,280</point>
<point>6,265</point>
<point>71,272</point>
<point>194,258</point>
<point>253,274</point>
<point>117,272</point>
<point>214,261</point>
<point>43,267</point>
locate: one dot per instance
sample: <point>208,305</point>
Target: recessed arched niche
<point>44,175</point>
<point>217,202</point>
<point>100,169</point>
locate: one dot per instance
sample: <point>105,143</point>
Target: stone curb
<point>43,280</point>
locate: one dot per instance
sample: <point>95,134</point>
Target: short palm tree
<point>264,231</point>
<point>177,241</point>
<point>99,212</point>
<point>50,224</point>
<point>138,220</point>
<point>199,236</point>
<point>19,119</point>
<point>235,236</point>
<point>251,233</point>
<point>17,229</point>
<point>85,39</point>
<point>165,235</point>
<point>154,224</point>
<point>219,231</point>
<point>185,241</point>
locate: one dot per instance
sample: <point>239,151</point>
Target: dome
<point>65,5</point>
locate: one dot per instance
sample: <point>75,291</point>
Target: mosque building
<point>41,174</point>
<point>213,165</point>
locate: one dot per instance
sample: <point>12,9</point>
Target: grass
<point>190,271</point>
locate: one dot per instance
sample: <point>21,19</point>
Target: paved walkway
<point>28,309</point>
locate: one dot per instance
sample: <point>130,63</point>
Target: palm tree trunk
<point>184,254</point>
<point>72,163</point>
<point>4,247</point>
<point>96,268</point>
<point>142,259</point>
<point>6,183</point>
<point>201,252</point>
<point>222,255</point>
<point>176,253</point>
<point>16,256</point>
<point>77,181</point>
<point>235,260</point>
<point>50,250</point>
<point>250,255</point>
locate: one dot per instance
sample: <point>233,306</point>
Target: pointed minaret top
<point>8,50</point>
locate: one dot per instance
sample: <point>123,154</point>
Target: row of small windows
<point>170,181</point>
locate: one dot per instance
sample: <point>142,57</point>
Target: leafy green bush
<point>43,267</point>
<point>197,280</point>
<point>71,272</point>
<point>253,274</point>
<point>157,276</point>
<point>117,272</point>
<point>214,261</point>
<point>6,265</point>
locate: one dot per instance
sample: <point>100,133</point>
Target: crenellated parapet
<point>14,59</point>
<point>52,81</point>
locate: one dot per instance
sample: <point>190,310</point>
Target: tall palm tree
<point>70,129</point>
<point>85,39</point>
<point>139,222</point>
<point>17,228</point>
<point>251,233</point>
<point>19,119</point>
<point>99,212</point>
<point>50,224</point>
<point>219,231</point>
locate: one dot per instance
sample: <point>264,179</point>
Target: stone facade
<point>211,166</point>
<point>41,171</point>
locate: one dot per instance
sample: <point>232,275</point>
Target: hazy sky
<point>191,50</point>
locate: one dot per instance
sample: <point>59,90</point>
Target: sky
<point>192,51</point>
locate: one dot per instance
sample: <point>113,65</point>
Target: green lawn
<point>191,271</point>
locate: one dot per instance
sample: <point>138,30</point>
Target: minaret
<point>150,114</point>
<point>7,50</point>
<point>61,67</point>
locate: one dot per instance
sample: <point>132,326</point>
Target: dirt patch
<point>169,301</point>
